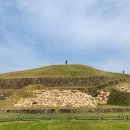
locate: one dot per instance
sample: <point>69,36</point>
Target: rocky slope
<point>63,99</point>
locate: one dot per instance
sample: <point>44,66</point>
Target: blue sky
<point>35,33</point>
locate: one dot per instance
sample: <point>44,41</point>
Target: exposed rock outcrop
<point>124,87</point>
<point>63,99</point>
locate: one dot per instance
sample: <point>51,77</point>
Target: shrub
<point>119,98</point>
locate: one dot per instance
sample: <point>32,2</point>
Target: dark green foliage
<point>119,98</point>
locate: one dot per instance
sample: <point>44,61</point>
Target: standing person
<point>66,62</point>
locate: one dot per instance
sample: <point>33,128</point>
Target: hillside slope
<point>83,79</point>
<point>61,71</point>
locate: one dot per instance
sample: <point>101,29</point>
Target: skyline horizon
<point>54,64</point>
<point>35,33</point>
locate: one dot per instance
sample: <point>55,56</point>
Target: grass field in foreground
<point>67,125</point>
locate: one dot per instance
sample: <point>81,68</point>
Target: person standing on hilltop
<point>66,62</point>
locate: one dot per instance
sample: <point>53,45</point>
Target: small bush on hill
<point>119,98</point>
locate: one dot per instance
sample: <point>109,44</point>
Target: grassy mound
<point>119,98</point>
<point>55,71</point>
<point>60,71</point>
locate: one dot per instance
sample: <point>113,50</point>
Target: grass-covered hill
<point>80,77</point>
<point>61,71</point>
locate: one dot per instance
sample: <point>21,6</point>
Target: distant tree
<point>123,71</point>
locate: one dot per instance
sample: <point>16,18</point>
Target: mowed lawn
<point>67,125</point>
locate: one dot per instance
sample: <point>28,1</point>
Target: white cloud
<point>85,22</point>
<point>77,25</point>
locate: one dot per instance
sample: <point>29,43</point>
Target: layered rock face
<point>63,99</point>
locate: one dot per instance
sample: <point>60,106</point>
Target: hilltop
<point>61,71</point>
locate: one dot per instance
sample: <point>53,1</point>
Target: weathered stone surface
<point>124,87</point>
<point>63,99</point>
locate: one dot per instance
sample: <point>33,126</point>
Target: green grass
<point>59,122</point>
<point>60,71</point>
<point>119,98</point>
<point>67,125</point>
<point>112,106</point>
<point>9,116</point>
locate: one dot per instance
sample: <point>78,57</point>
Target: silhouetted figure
<point>123,72</point>
<point>66,62</point>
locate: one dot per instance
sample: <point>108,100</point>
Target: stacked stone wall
<point>55,82</point>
